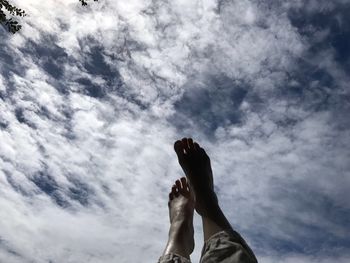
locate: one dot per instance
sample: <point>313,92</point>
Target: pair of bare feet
<point>195,192</point>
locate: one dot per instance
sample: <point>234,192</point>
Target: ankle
<point>181,238</point>
<point>209,199</point>
<point>179,226</point>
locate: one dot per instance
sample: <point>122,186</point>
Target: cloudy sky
<point>92,99</point>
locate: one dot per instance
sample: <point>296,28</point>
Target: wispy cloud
<point>93,98</point>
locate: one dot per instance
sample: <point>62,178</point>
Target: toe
<point>185,185</point>
<point>174,191</point>
<point>185,144</point>
<point>190,144</point>
<point>179,149</point>
<point>178,185</point>
<point>171,196</point>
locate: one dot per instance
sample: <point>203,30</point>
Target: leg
<point>196,165</point>
<point>181,208</point>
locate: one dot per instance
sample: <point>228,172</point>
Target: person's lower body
<point>196,192</point>
<point>223,247</point>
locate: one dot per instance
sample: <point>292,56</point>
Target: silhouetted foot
<point>196,165</point>
<point>181,208</point>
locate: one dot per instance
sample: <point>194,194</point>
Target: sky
<point>93,98</point>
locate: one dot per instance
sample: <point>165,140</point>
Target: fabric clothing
<point>223,247</point>
<point>173,258</point>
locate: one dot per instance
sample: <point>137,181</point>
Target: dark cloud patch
<point>316,82</point>
<point>76,191</point>
<point>48,54</point>
<point>20,116</point>
<point>48,185</point>
<point>3,31</point>
<point>96,65</point>
<point>211,104</point>
<point>8,62</point>
<point>9,65</point>
<point>91,89</point>
<point>286,122</point>
<point>68,114</point>
<point>53,68</point>
<point>45,53</point>
<point>79,191</point>
<point>2,95</point>
<point>308,86</point>
<point>3,124</point>
<point>45,183</point>
<point>333,22</point>
<point>44,112</point>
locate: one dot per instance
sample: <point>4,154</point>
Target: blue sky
<point>93,98</point>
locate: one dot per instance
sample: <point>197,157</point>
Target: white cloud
<point>108,159</point>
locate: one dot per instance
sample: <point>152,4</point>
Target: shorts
<point>223,247</point>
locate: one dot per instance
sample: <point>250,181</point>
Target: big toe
<point>179,149</point>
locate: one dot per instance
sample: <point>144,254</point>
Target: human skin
<point>196,191</point>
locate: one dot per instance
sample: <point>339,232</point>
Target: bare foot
<point>181,208</point>
<point>196,165</point>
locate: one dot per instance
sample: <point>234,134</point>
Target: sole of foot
<point>181,208</point>
<point>196,165</point>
